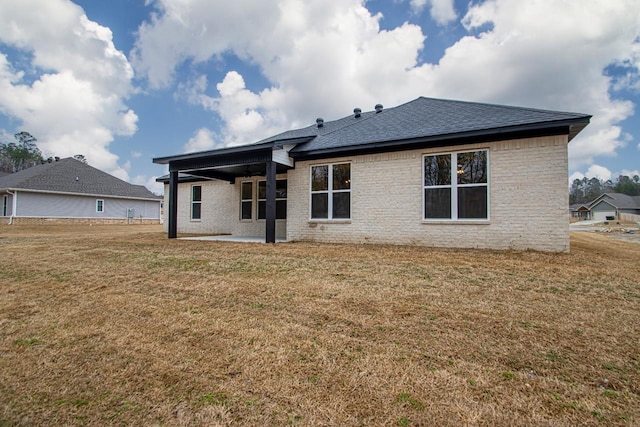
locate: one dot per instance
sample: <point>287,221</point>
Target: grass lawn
<point>117,325</point>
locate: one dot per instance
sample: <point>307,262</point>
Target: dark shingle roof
<point>72,176</point>
<point>426,121</point>
<point>577,206</point>
<point>619,200</point>
<point>315,131</point>
<point>436,118</point>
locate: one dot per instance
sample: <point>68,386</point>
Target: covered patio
<point>228,164</point>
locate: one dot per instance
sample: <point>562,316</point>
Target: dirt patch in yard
<point>625,232</point>
<point>116,325</point>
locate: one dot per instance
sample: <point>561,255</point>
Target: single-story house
<point>429,172</point>
<point>580,211</point>
<point>71,191</point>
<point>613,206</point>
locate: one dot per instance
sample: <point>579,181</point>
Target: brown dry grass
<point>119,326</point>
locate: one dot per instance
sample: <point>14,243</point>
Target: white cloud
<point>199,30</point>
<point>542,59</point>
<point>629,173</point>
<point>325,57</point>
<point>442,11</point>
<point>6,137</point>
<point>599,172</point>
<point>245,113</point>
<point>150,183</point>
<point>574,176</point>
<point>75,105</point>
<point>202,140</point>
<point>192,89</point>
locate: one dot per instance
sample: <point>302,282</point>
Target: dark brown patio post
<point>270,235</point>
<point>173,204</point>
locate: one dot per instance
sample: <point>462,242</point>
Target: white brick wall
<point>220,210</point>
<point>528,200</point>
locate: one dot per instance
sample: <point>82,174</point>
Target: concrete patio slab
<point>230,238</point>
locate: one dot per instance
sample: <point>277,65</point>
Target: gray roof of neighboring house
<point>577,206</point>
<point>618,200</point>
<point>72,176</point>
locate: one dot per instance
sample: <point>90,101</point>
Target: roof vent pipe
<point>357,112</point>
<point>378,108</point>
<point>320,122</point>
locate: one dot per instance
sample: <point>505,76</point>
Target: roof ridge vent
<point>320,122</point>
<point>378,108</point>
<point>357,112</point>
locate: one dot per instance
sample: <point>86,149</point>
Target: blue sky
<point>123,81</point>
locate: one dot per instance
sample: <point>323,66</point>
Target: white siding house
<point>610,206</point>
<point>70,190</point>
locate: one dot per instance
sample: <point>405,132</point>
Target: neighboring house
<point>429,172</point>
<point>69,190</point>
<point>614,206</point>
<point>580,211</point>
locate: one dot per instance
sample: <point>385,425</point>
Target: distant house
<point>615,206</point>
<point>70,191</point>
<point>580,211</point>
<point>429,172</point>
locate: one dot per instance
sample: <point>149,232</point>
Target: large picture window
<point>281,199</point>
<point>456,186</point>
<point>196,202</point>
<point>331,191</point>
<point>246,200</point>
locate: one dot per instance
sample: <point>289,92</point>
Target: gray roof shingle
<point>315,131</point>
<point>73,176</point>
<point>619,200</point>
<point>421,121</point>
<point>430,117</point>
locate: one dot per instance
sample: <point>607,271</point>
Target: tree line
<point>586,190</point>
<point>23,153</point>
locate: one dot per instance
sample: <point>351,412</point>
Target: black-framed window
<point>196,202</point>
<point>281,199</point>
<point>99,205</point>
<point>246,200</point>
<point>456,186</point>
<point>331,191</point>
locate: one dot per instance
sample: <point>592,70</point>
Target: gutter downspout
<point>13,205</point>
